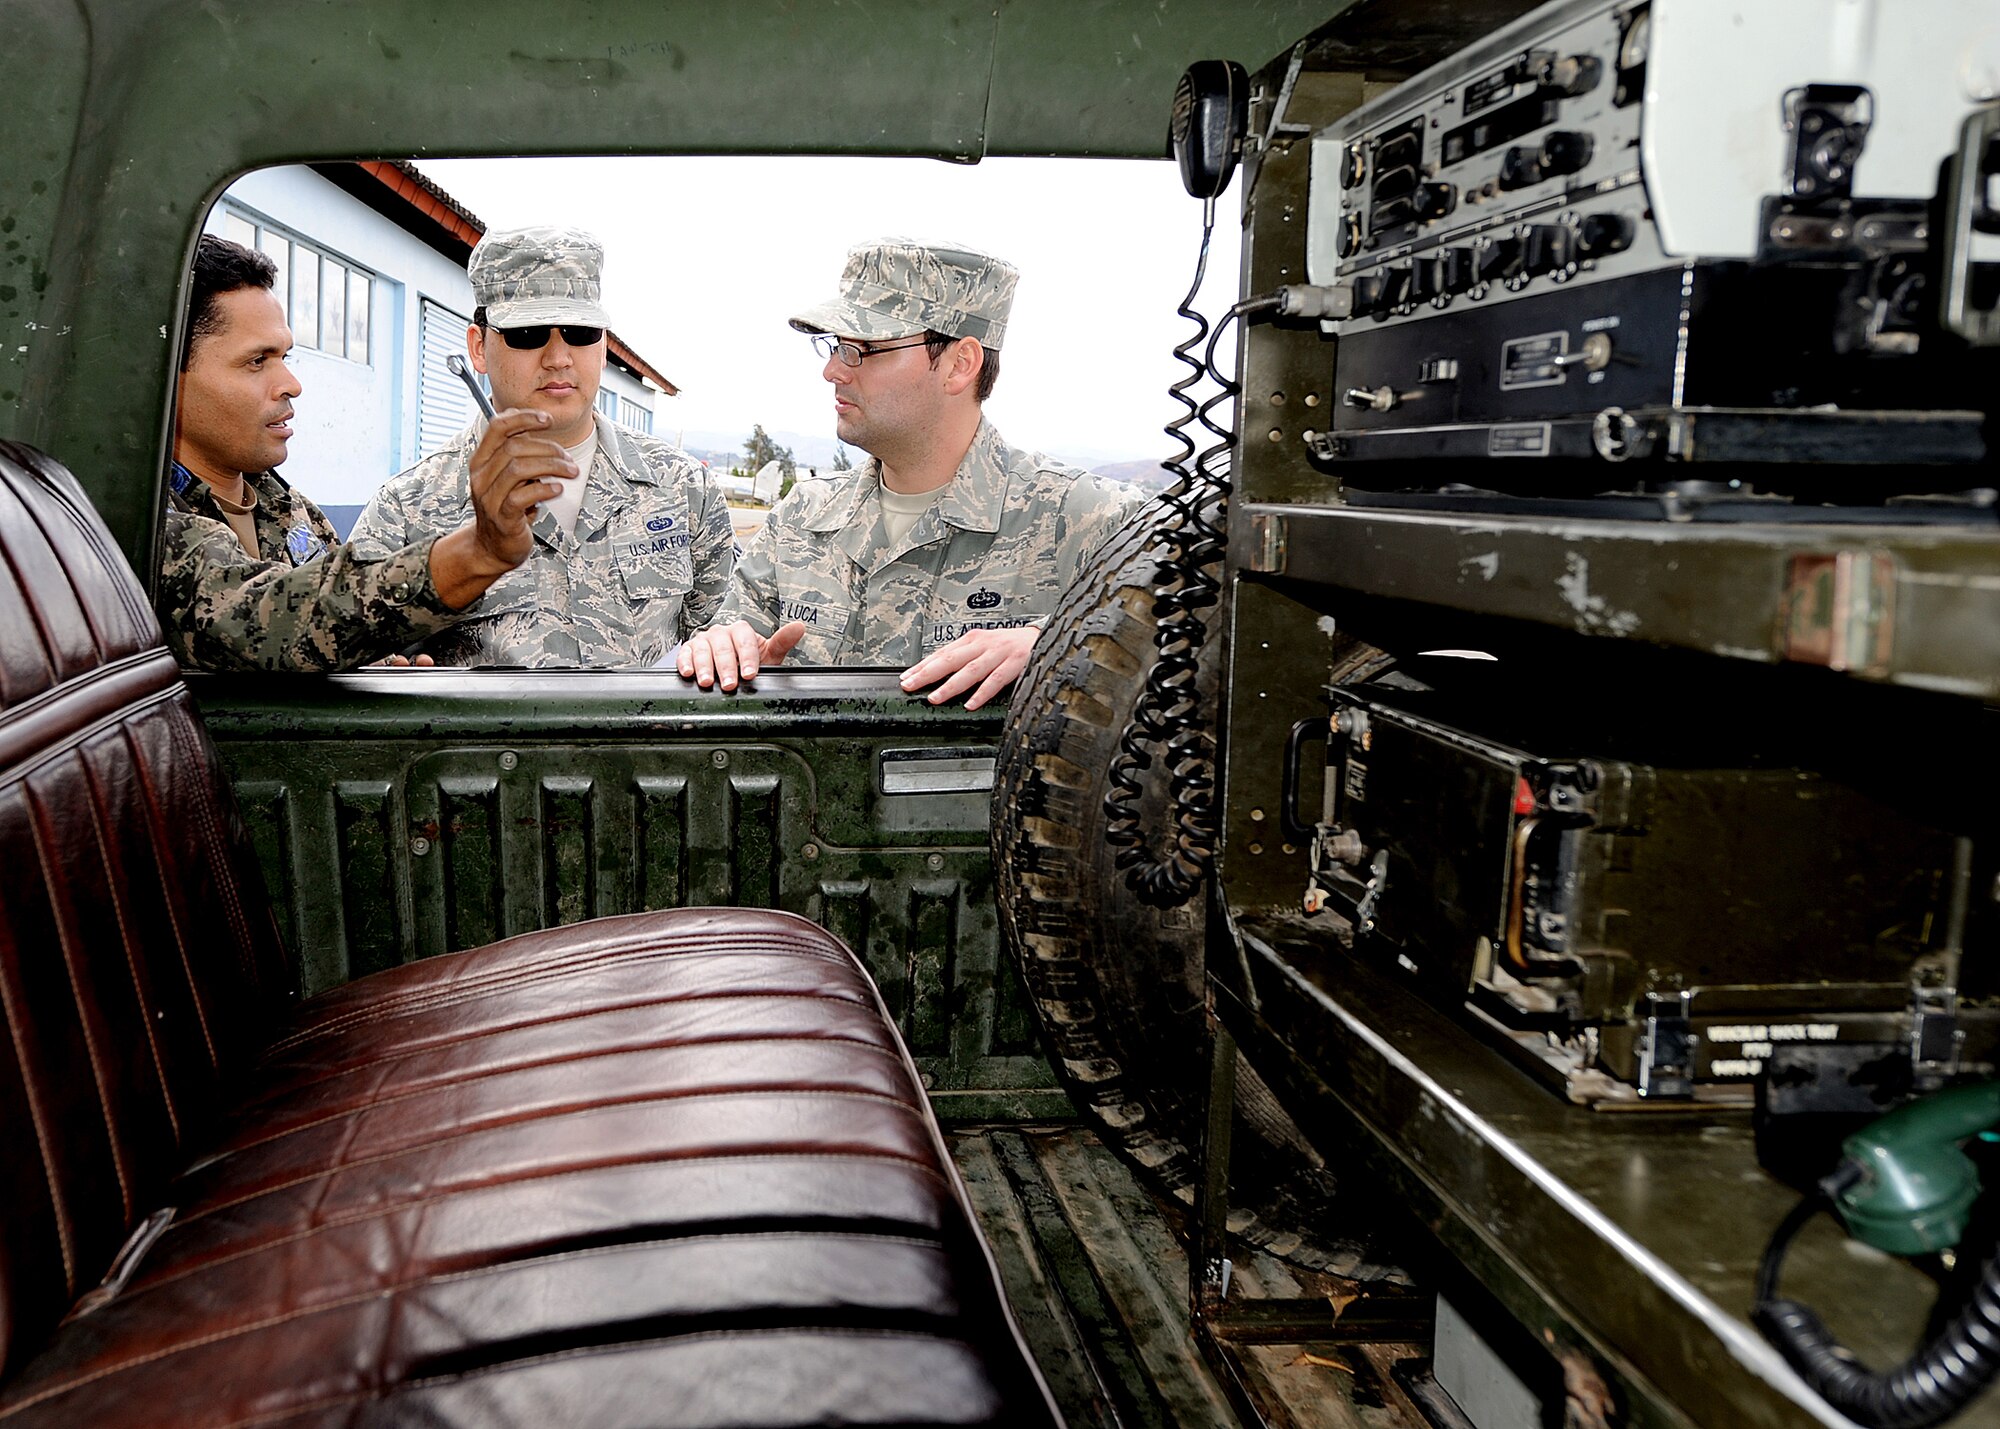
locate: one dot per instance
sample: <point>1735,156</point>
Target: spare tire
<point>1118,985</point>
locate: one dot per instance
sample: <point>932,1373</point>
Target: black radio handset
<point>1211,114</point>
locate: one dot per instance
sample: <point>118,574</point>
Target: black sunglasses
<point>528,339</point>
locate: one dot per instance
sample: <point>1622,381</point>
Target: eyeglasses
<point>530,339</point>
<point>851,353</point>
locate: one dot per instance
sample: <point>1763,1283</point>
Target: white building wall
<point>356,425</point>
<point>356,422</point>
<point>632,392</point>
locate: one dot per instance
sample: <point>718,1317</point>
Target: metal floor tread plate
<point>1097,1272</point>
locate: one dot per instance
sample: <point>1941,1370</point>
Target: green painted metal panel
<point>754,815</point>
<point>367,872</point>
<point>466,852</point>
<point>402,816</point>
<point>569,858</point>
<point>933,989</point>
<point>266,810</point>
<point>97,217</point>
<point>660,835</point>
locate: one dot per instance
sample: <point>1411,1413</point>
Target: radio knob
<point>1459,270</point>
<point>1434,201</point>
<point>1499,260</point>
<point>1564,151</point>
<point>1427,276</point>
<point>1350,235</point>
<point>1573,74</point>
<point>1550,248</point>
<point>1353,165</point>
<point>1368,294</point>
<point>1520,167</point>
<point>1395,287</point>
<point>1603,233</point>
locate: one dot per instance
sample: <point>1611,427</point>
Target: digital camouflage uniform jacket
<point>309,604</point>
<point>994,551</point>
<point>648,564</point>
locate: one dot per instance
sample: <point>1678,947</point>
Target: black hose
<point>1928,1388</point>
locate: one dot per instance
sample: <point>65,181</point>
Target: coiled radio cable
<point>1167,720</point>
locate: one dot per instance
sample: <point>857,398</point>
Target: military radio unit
<point>1672,262</point>
<point>1677,231</point>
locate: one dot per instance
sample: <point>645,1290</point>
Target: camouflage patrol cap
<point>524,276</point>
<point>897,287</point>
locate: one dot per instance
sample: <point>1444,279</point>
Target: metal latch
<point>1666,1047</point>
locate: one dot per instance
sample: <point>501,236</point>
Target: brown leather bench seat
<point>666,1169</point>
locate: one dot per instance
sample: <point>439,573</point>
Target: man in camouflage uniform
<point>635,553</point>
<point>947,551</point>
<point>251,574</point>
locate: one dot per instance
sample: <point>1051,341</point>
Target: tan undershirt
<point>900,512</point>
<point>242,519</point>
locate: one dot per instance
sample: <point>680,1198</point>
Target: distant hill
<point>723,450</point>
<point>1146,475</point>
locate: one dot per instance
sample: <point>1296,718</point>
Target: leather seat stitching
<point>327,1173</point>
<point>168,885</point>
<point>647,950</point>
<point>608,1008</point>
<point>425,1282</point>
<point>281,1416</point>
<point>167,1277</point>
<point>460,1078</point>
<point>52,880</point>
<point>818,994</point>
<point>65,1233</point>
<point>127,943</point>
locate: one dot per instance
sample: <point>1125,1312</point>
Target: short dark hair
<point>220,267</point>
<point>936,342</point>
<point>479,316</point>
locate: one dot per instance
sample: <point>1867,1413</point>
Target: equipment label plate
<point>1518,439</point>
<point>1531,361</point>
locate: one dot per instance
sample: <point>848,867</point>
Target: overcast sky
<point>706,258</point>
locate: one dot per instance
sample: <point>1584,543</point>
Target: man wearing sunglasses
<point>636,552</point>
<point>946,552</point>
<point>252,576</point>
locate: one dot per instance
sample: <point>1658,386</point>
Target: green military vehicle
<point>1459,865</point>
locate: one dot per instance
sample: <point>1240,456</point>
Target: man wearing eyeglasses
<point>946,552</point>
<point>636,552</point>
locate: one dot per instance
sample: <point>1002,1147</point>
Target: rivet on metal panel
<point>510,760</point>
<point>1267,542</point>
<point>1839,610</point>
<point>719,758</point>
<point>420,845</point>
